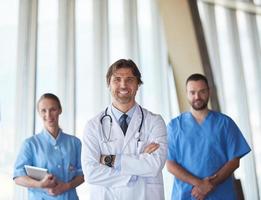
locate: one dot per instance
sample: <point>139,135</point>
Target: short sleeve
<point>171,129</point>
<point>79,150</point>
<point>25,157</point>
<point>235,143</point>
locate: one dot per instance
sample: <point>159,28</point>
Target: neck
<point>199,115</point>
<point>54,131</point>
<point>123,107</point>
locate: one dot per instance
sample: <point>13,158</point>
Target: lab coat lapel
<point>133,126</point>
<point>116,129</point>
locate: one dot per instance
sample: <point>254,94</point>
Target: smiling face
<point>198,94</point>
<point>49,111</point>
<point>123,87</point>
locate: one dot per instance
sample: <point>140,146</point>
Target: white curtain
<point>26,72</point>
<point>70,50</point>
<point>230,51</point>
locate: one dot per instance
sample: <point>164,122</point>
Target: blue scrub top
<point>61,156</point>
<point>202,149</point>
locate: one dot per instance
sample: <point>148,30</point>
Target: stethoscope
<point>108,138</point>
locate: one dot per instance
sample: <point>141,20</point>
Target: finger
<point>152,149</point>
<point>212,177</point>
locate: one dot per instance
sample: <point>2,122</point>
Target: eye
<point>204,91</point>
<point>43,111</point>
<point>116,79</point>
<point>130,80</point>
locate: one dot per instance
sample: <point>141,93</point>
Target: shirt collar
<point>117,113</point>
<point>50,138</point>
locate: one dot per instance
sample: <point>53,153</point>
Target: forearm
<point>226,171</point>
<point>26,181</point>
<point>99,174</point>
<point>76,181</point>
<point>145,165</point>
<point>181,173</point>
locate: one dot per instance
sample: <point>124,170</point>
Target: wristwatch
<point>108,160</point>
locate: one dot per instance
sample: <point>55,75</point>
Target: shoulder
<point>34,138</point>
<point>32,141</point>
<point>95,120</point>
<point>93,125</point>
<point>152,117</point>
<point>221,117</point>
<point>179,119</point>
<point>71,137</point>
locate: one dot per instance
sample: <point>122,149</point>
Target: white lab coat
<point>140,174</point>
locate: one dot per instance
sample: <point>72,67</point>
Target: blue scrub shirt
<point>202,149</point>
<point>61,156</point>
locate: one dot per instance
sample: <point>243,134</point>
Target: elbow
<point>168,165</point>
<point>91,175</point>
<point>88,176</point>
<point>236,163</point>
<point>157,170</point>
<point>17,180</point>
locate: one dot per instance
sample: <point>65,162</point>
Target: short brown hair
<point>197,77</point>
<point>123,63</point>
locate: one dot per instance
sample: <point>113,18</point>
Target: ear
<point>60,112</point>
<point>210,92</point>
<point>109,87</point>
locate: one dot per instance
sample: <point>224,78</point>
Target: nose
<point>197,95</point>
<point>123,84</point>
<point>47,114</point>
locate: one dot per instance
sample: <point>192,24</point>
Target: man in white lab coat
<point>124,147</point>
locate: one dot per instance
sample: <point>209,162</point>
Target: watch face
<point>108,159</point>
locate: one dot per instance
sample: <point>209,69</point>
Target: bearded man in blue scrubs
<point>204,148</point>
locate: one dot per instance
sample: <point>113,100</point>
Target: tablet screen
<point>35,172</point>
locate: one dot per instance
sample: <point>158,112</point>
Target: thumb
<point>212,177</point>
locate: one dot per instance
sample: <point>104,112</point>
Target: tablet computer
<point>35,172</point>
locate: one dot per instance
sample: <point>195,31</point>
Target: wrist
<point>68,186</point>
<point>196,182</point>
<point>108,160</point>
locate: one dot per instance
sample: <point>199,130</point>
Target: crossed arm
<point>202,187</point>
<point>148,149</point>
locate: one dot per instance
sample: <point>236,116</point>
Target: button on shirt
<point>60,156</point>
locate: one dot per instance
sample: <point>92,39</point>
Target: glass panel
<point>85,83</point>
<point>250,52</point>
<point>47,76</point>
<point>8,49</point>
<point>117,38</point>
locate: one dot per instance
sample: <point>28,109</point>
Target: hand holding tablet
<point>35,172</point>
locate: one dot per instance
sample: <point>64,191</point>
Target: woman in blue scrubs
<point>54,150</point>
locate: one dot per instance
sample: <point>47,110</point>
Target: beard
<point>123,100</point>
<point>199,104</point>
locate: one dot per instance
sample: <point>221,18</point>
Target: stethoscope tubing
<point>111,121</point>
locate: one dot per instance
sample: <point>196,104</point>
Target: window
<point>104,32</point>
<point>234,46</point>
<point>8,49</point>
